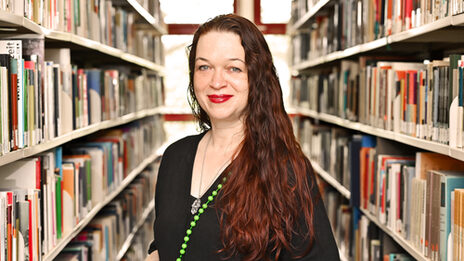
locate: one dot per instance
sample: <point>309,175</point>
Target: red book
<point>31,242</point>
<point>14,103</point>
<point>9,226</point>
<point>407,15</point>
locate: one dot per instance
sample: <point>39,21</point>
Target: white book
<point>14,48</point>
<point>4,110</point>
<point>20,174</point>
<point>63,58</point>
<point>97,158</point>
<point>18,7</point>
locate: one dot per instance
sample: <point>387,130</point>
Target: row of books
<point>300,8</point>
<point>139,247</point>
<point>44,95</point>
<point>408,192</point>
<point>73,180</point>
<point>349,23</point>
<point>100,20</point>
<point>104,236</point>
<point>422,100</point>
<point>357,237</point>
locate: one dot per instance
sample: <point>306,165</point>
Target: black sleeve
<point>323,246</point>
<point>161,175</point>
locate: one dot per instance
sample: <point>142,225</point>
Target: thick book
<point>69,214</point>
<point>23,173</point>
<point>14,49</point>
<point>62,57</point>
<point>94,95</point>
<point>449,181</point>
<point>98,174</point>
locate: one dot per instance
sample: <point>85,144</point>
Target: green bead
<point>224,179</point>
<point>189,231</point>
<point>186,239</point>
<point>214,193</point>
<point>178,259</point>
<point>201,211</point>
<point>196,217</point>
<point>184,246</point>
<point>193,223</point>
<point>204,205</point>
<point>210,198</point>
<point>182,251</point>
<point>220,186</point>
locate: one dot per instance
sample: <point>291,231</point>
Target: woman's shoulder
<point>184,145</point>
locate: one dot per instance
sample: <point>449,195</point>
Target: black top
<point>173,204</point>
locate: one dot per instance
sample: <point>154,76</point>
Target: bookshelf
<point>151,21</point>
<point>30,151</point>
<point>400,240</point>
<point>399,137</point>
<point>24,25</point>
<point>304,20</point>
<point>133,174</point>
<point>335,184</point>
<point>442,24</point>
<point>329,179</point>
<point>353,47</point>
<point>150,208</point>
<point>346,193</point>
<point>129,62</point>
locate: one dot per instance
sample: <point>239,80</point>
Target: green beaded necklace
<point>196,218</point>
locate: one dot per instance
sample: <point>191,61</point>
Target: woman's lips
<point>219,98</point>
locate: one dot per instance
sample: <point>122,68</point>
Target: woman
<point>241,190</point>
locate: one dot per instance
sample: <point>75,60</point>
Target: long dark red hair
<point>268,188</point>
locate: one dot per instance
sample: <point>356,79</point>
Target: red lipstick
<point>219,98</point>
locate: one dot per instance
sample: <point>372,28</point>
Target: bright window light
<point>194,11</point>
<point>275,11</point>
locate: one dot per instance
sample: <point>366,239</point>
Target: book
<point>62,57</point>
<point>449,181</point>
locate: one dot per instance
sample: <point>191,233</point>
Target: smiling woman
<point>221,78</point>
<point>242,189</point>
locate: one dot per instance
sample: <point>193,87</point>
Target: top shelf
<point>308,16</point>
<point>147,16</point>
<point>26,26</point>
<point>457,20</point>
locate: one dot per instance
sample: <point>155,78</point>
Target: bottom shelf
<point>399,239</point>
<point>406,245</point>
<point>67,238</point>
<point>130,238</point>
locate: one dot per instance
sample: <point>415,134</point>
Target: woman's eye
<point>235,69</point>
<point>203,67</point>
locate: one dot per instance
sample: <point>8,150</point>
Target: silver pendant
<point>195,206</point>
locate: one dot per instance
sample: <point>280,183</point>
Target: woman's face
<point>220,76</point>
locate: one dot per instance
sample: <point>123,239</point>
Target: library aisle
<point>93,91</point>
<point>376,95</point>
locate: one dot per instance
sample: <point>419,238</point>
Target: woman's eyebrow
<point>230,59</point>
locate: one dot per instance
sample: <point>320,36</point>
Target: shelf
<point>105,49</point>
<point>331,180</point>
<point>131,236</point>
<point>132,175</point>
<point>310,14</point>
<point>18,21</point>
<point>30,151</point>
<point>399,137</point>
<point>382,42</point>
<point>147,16</point>
<point>406,245</point>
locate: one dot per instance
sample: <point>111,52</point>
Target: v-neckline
<point>189,183</point>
